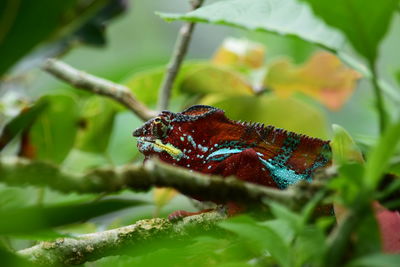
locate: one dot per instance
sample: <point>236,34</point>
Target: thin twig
<point>123,240</point>
<point>180,49</point>
<point>88,82</point>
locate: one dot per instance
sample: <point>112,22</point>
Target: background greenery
<point>79,131</point>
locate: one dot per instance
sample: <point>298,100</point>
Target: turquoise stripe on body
<point>283,176</point>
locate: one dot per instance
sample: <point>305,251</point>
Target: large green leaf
<point>288,113</point>
<point>364,22</point>
<point>53,134</point>
<point>25,24</point>
<point>287,17</point>
<point>28,219</point>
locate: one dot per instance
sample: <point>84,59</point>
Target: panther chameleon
<point>203,139</point>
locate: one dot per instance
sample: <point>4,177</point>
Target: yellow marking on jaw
<point>170,149</point>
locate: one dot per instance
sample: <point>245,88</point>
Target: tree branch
<point>17,171</point>
<point>180,49</point>
<point>88,82</point>
<point>90,247</point>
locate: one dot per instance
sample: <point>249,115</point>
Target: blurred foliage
<point>304,91</point>
<point>323,77</point>
<point>56,24</point>
<point>363,29</point>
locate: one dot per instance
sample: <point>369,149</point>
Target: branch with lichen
<point>88,82</point>
<point>17,171</point>
<point>90,247</point>
<point>179,52</point>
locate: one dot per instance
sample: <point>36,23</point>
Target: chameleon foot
<point>180,214</point>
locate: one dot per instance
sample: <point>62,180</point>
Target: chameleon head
<point>151,136</point>
<point>181,138</point>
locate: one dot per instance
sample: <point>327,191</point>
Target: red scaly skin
<point>203,139</point>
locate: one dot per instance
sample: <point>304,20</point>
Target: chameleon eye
<point>159,127</point>
<point>157,120</point>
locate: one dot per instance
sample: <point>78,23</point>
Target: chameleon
<point>202,139</point>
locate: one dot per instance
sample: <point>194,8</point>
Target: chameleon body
<point>203,139</point>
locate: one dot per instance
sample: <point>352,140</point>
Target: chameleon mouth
<point>147,144</point>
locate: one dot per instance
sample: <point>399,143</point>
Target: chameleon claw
<point>180,214</point>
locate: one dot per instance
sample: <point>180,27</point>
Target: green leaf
<point>379,157</point>
<point>17,197</point>
<point>343,146</point>
<point>349,183</point>
<point>285,214</point>
<point>376,260</point>
<point>25,24</point>
<point>288,113</point>
<point>281,227</point>
<point>53,134</point>
<point>364,22</point>
<point>145,84</point>
<point>310,245</point>
<point>261,237</point>
<point>122,146</point>
<point>284,17</point>
<point>21,122</point>
<point>368,236</point>
<point>29,219</point>
<point>208,78</point>
<point>95,124</point>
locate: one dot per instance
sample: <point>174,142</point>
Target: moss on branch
<point>90,247</point>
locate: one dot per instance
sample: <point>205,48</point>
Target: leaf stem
<point>379,98</point>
